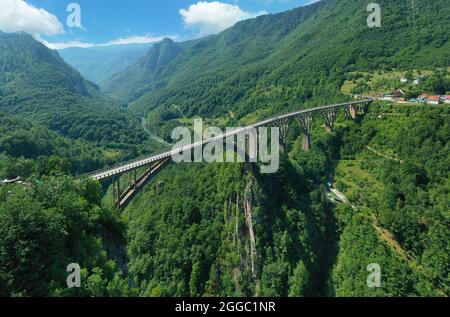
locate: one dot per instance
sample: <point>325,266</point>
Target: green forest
<point>227,229</point>
<point>279,63</point>
<point>303,245</point>
<point>189,234</point>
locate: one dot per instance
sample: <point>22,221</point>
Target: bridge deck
<point>125,167</point>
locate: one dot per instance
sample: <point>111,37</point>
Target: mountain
<point>27,64</point>
<point>98,64</point>
<point>141,77</point>
<point>275,62</point>
<point>225,229</point>
<point>36,84</point>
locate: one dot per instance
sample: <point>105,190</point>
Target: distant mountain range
<point>276,63</point>
<point>270,64</point>
<point>100,63</point>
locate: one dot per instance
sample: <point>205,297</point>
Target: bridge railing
<point>119,165</point>
<point>159,156</point>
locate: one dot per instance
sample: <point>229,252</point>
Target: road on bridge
<point>125,167</point>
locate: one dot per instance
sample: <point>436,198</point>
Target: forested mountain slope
<point>54,124</point>
<point>36,83</point>
<point>142,76</point>
<point>226,230</point>
<point>399,195</point>
<point>275,62</point>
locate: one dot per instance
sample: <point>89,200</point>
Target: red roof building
<point>434,100</point>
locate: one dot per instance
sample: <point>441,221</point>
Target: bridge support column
<point>283,125</point>
<point>253,147</point>
<point>305,121</point>
<point>118,191</point>
<point>329,116</point>
<point>351,111</point>
<point>306,145</point>
<point>114,189</point>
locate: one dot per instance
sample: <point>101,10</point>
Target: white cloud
<point>137,39</point>
<point>19,16</point>
<point>214,17</point>
<point>64,45</point>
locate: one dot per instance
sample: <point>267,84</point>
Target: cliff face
<point>224,230</point>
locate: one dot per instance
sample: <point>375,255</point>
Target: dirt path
<point>383,155</point>
<point>387,237</point>
<point>384,234</point>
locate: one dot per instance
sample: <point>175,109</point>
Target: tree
<point>298,282</point>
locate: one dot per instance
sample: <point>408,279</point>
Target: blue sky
<point>113,21</point>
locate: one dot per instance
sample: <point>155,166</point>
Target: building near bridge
<point>398,93</point>
<point>434,100</point>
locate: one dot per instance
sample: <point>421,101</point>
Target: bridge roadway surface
<point>126,167</point>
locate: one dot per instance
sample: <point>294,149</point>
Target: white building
<point>447,99</point>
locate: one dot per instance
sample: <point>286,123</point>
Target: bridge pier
<point>306,143</point>
<point>329,117</point>
<point>305,121</point>
<point>114,188</point>
<point>351,112</point>
<point>283,125</point>
<point>118,190</point>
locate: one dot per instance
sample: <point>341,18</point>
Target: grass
<point>358,184</point>
<point>380,82</point>
<point>111,154</point>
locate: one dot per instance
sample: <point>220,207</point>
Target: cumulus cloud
<point>19,16</point>
<point>214,17</point>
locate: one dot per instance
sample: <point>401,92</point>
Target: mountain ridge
<point>273,63</point>
<point>37,84</point>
